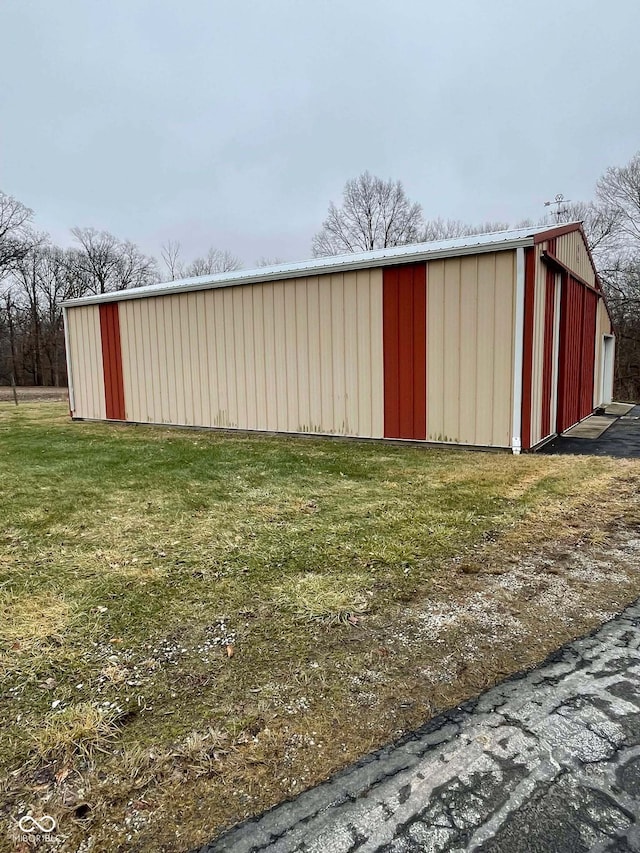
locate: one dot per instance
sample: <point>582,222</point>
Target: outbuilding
<point>497,340</point>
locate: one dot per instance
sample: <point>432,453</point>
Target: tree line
<point>36,276</point>
<point>376,214</point>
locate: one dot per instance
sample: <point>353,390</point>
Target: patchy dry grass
<point>29,620</point>
<point>194,626</point>
<point>80,728</point>
<point>331,598</point>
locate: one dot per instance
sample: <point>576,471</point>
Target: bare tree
<point>445,229</point>
<point>10,358</point>
<point>25,290</point>
<point>37,284</point>
<point>97,259</point>
<point>374,214</point>
<point>170,252</point>
<point>136,269</point>
<point>54,286</point>
<point>15,235</point>
<point>103,263</point>
<point>612,228</point>
<point>269,262</point>
<point>216,261</point>
<point>619,190</point>
<point>600,223</point>
<point>622,286</point>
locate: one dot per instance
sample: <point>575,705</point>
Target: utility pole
<point>560,210</point>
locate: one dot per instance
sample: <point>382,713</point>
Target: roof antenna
<point>560,211</point>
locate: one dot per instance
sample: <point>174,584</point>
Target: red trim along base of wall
<point>404,299</point>
<point>112,361</point>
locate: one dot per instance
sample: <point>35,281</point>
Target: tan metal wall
<point>85,362</point>
<point>571,250</point>
<point>303,355</point>
<point>603,327</point>
<point>470,348</point>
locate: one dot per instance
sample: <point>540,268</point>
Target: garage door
<point>577,352</point>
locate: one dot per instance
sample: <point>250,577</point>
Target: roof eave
<point>258,277</point>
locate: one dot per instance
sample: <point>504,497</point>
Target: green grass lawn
<point>195,625</point>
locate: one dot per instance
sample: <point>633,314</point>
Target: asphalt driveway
<point>621,439</point>
<point>547,761</point>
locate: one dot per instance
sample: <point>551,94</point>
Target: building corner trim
<point>67,352</point>
<point>516,419</point>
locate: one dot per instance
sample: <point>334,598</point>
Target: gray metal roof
<point>470,245</point>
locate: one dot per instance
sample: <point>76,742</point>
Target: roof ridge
<point>413,252</point>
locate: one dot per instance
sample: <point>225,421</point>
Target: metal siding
<point>404,306</point>
<point>570,332</point>
<point>351,400</point>
<point>546,425</point>
<point>295,356</point>
<point>370,353</point>
<point>556,352</point>
<point>112,360</point>
<point>603,327</point>
<point>451,355</point>
<point>487,320</point>
<point>504,346</point>
<point>195,373</point>
<point>572,251</point>
<point>577,352</point>
<point>325,353</point>
<point>537,362</point>
<point>420,351</point>
<point>129,360</point>
<point>588,355</point>
<point>391,324</point>
<point>86,366</point>
<point>372,369</point>
<point>301,354</point>
<point>404,344</point>
<point>170,409</point>
<point>469,339</point>
<point>264,333</point>
<point>528,345</point>
<point>337,329</point>
<point>456,368</point>
<point>435,351</point>
<point>314,354</point>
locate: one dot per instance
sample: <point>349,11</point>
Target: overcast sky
<point>233,124</point>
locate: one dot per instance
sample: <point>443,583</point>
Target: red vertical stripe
<point>546,427</point>
<point>405,353</point>
<point>527,344</point>
<point>577,352</point>
<point>112,361</point>
<point>404,303</point>
<point>563,354</point>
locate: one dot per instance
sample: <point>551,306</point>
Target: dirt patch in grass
<point>197,626</point>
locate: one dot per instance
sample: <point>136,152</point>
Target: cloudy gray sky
<point>235,123</point>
